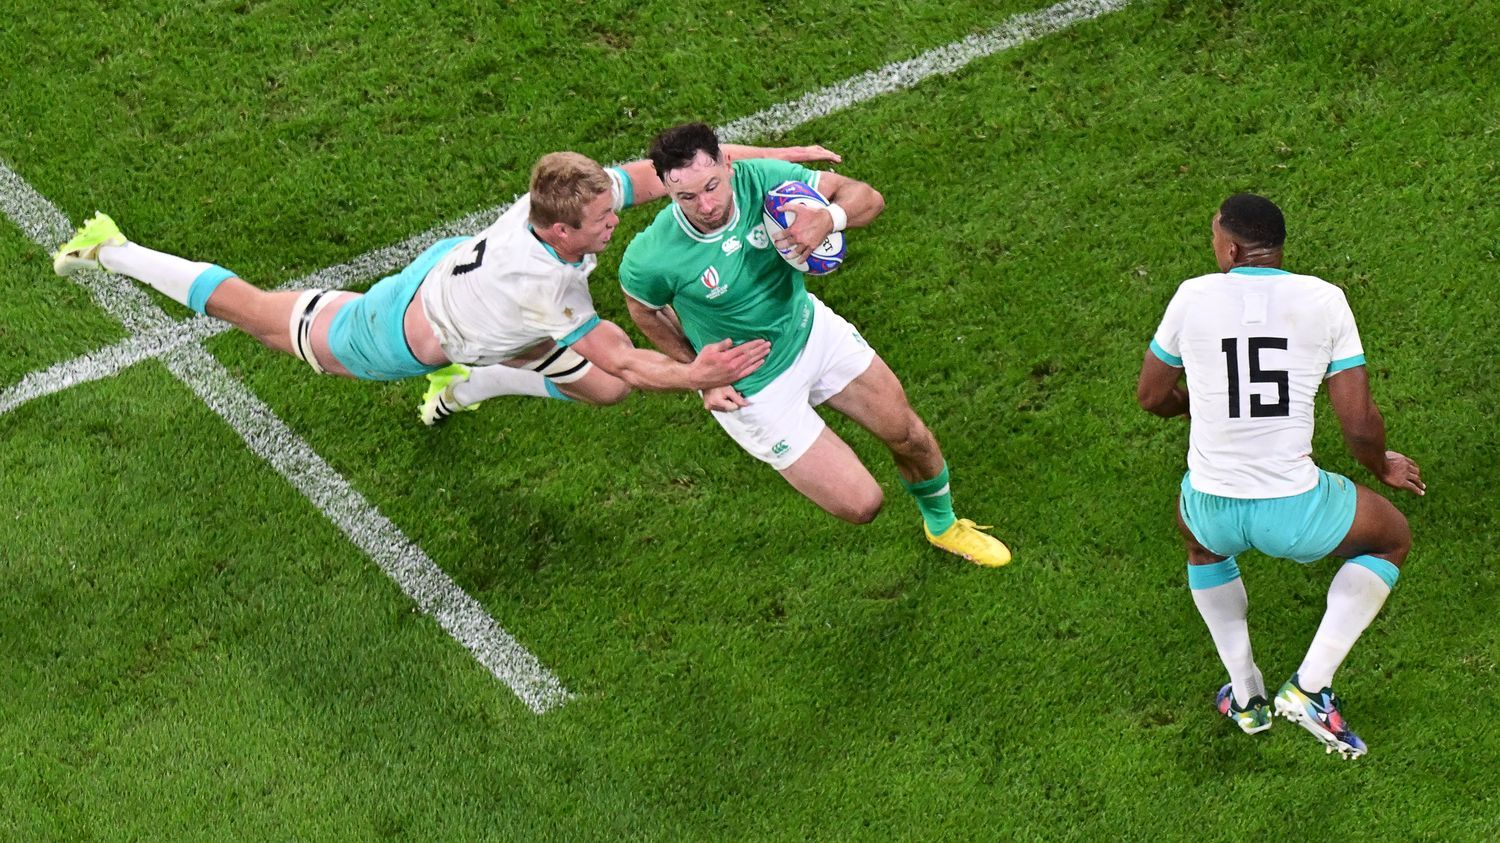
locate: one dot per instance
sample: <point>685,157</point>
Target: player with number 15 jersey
<point>1256,343</point>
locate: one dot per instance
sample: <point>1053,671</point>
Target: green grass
<point>194,651</point>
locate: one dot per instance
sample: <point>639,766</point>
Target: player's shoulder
<point>512,222</point>
<point>650,236</point>
<point>1201,284</point>
<point>519,210</point>
<point>648,242</point>
<point>756,165</point>
<point>661,233</point>
<point>1311,288</point>
<point>765,173</point>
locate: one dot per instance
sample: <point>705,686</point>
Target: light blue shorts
<point>368,335</point>
<point>1303,528</point>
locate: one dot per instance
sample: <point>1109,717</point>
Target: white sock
<point>1354,598</point>
<point>500,379</point>
<point>168,274</point>
<point>1225,608</point>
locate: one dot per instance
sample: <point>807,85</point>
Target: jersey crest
<point>715,284</point>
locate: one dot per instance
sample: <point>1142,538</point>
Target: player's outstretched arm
<point>1364,431</point>
<point>646,187</point>
<point>815,154</point>
<point>720,364</point>
<point>1158,390</point>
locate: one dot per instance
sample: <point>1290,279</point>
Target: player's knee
<point>1394,533</point>
<point>914,440</point>
<point>1200,555</point>
<point>596,392</point>
<point>613,393</point>
<point>1400,539</point>
<point>862,507</point>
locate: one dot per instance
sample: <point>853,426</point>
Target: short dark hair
<point>1253,221</point>
<point>676,147</point>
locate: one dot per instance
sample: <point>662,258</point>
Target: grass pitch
<point>195,651</point>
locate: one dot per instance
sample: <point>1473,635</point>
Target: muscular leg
<point>876,401</point>
<point>263,314</point>
<point>319,335</point>
<point>217,292</point>
<point>830,475</point>
<point>1376,545</point>
<point>1379,529</point>
<point>1220,596</point>
<point>266,315</point>
<point>203,286</point>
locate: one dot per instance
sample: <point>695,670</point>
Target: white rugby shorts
<point>780,424</point>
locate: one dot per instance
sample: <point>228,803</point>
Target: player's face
<point>1222,244</point>
<point>702,191</point>
<point>599,221</point>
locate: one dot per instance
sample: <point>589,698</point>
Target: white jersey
<point>504,291</point>
<point>1256,342</point>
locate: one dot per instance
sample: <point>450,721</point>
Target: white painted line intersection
<point>267,436</point>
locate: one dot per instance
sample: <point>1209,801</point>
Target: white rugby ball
<point>780,211</point>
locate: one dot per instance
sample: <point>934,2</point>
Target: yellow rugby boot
<point>438,402</point>
<point>964,538</point>
<point>82,252</point>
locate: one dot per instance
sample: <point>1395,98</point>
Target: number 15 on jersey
<point>1259,408</point>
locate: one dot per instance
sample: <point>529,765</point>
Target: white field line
<point>170,334</point>
<point>897,76</point>
<point>776,120</point>
<point>48,226</point>
<point>437,595</point>
<point>462,616</point>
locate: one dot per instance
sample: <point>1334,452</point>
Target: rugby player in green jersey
<point>706,270</point>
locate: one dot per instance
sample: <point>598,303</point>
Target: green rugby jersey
<point>731,283</point>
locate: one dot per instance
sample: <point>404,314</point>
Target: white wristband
<point>840,216</point>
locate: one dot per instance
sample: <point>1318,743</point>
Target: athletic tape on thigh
<point>563,365</point>
<point>304,313</point>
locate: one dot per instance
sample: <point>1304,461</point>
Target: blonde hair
<point>561,184</point>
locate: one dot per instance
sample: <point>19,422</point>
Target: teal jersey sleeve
<point>622,191</point>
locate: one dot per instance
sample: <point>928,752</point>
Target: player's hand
<point>722,363</point>
<point>1401,473</point>
<point>723,399</point>
<point>809,154</point>
<point>810,227</point>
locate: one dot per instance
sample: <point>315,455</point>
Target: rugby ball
<point>782,202</point>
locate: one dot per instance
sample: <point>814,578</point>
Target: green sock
<point>935,500</point>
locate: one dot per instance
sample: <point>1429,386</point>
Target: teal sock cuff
<point>554,392</point>
<point>1211,576</point>
<point>1379,567</point>
<point>928,488</point>
<point>204,285</point>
